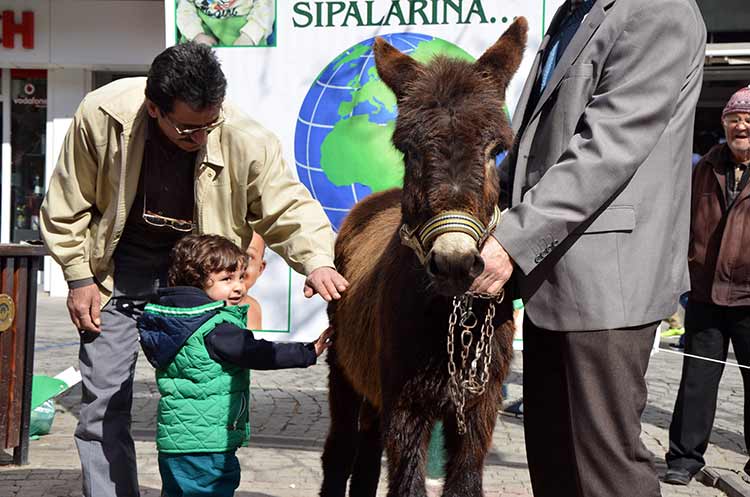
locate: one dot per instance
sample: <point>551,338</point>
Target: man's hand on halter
<point>327,282</point>
<point>497,268</point>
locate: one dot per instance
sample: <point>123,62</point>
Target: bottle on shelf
<point>38,188</point>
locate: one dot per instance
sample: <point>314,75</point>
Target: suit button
<point>538,259</point>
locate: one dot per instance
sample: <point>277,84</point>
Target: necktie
<point>560,40</point>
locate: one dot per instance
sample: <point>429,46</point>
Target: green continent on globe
<point>358,150</point>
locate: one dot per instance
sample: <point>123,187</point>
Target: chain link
<point>474,376</point>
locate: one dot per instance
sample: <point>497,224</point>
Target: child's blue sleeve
<point>231,344</point>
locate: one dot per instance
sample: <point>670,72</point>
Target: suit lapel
<point>589,26</point>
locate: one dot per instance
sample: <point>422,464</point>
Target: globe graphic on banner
<point>342,142</point>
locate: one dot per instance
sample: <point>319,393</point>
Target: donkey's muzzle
<point>453,273</point>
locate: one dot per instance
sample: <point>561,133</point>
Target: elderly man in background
<point>718,309</point>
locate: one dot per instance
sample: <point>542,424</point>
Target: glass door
<point>28,101</point>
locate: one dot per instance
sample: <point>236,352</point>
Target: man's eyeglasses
<point>735,120</point>
<point>187,132</point>
<point>160,221</point>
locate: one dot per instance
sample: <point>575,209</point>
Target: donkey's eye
<point>412,155</point>
<point>497,150</point>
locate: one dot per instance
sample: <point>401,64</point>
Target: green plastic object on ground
<point>41,419</point>
<point>43,390</point>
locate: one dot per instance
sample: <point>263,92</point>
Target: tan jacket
<point>241,185</point>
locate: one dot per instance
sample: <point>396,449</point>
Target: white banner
<point>313,83</point>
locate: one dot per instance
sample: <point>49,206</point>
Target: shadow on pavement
<point>733,441</point>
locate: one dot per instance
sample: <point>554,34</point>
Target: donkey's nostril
<point>432,265</point>
<point>478,267</point>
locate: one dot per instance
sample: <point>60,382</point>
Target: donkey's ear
<point>396,69</point>
<point>502,59</point>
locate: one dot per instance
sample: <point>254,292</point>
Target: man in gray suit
<point>597,232</point>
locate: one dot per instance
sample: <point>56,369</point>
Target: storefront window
<point>101,78</point>
<point>28,100</point>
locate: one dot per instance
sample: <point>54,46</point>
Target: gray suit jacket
<point>600,170</point>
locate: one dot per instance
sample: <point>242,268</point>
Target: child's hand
<point>324,341</point>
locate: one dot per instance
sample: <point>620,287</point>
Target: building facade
<point>52,52</point>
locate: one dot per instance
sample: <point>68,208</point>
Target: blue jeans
<point>199,474</point>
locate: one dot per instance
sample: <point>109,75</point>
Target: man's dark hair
<point>195,257</point>
<point>189,72</point>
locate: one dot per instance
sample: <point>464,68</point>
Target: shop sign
<point>29,97</point>
<point>12,28</point>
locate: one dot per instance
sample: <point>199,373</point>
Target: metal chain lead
<point>466,380</point>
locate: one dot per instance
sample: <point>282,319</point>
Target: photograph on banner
<point>226,23</point>
<point>320,94</point>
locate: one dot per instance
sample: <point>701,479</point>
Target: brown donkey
<point>406,254</point>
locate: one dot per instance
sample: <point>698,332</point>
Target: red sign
<point>11,28</point>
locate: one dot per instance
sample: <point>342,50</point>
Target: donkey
<point>407,253</point>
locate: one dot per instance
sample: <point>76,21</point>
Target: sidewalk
<point>289,418</point>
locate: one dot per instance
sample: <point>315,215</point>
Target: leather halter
<point>421,238</point>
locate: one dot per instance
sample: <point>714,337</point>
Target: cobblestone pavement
<point>289,420</point>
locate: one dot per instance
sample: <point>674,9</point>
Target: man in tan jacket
<point>145,162</point>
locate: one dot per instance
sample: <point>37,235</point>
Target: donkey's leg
<point>406,436</point>
<point>466,452</point>
<point>341,444</point>
<point>364,481</point>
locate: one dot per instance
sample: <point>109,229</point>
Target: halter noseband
<point>421,238</point>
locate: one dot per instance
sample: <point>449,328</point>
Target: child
<point>256,264</point>
<point>196,339</point>
<point>226,22</point>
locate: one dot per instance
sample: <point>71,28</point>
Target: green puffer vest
<point>204,404</point>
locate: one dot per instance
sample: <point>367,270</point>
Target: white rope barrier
<point>727,363</point>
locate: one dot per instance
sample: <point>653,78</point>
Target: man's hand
<point>497,268</point>
<point>83,307</point>
<point>327,282</point>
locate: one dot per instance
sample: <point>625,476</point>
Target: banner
<point>304,69</point>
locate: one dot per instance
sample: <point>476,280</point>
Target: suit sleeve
<point>66,213</point>
<point>634,100</point>
<point>230,344</point>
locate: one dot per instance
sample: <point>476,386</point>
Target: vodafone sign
<point>17,29</point>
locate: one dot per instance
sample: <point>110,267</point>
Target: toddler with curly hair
<point>196,338</point>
